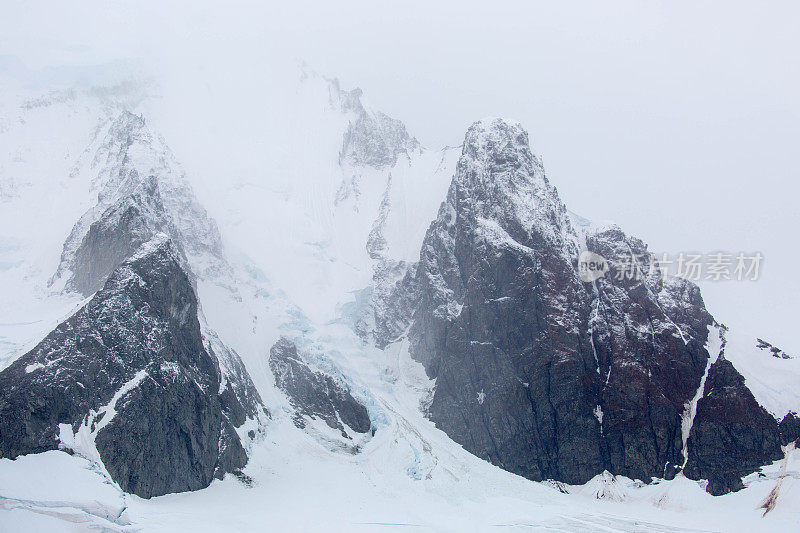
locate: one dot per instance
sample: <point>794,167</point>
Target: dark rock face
<point>239,402</point>
<point>649,338</point>
<point>501,317</point>
<point>239,398</point>
<point>313,393</point>
<point>732,434</point>
<point>773,350</point>
<point>128,372</point>
<point>542,373</point>
<point>789,428</point>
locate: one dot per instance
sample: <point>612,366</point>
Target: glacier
<point>301,225</point>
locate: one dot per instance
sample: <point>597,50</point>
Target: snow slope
<point>305,220</point>
<point>409,476</point>
<point>772,380</point>
<point>42,193</point>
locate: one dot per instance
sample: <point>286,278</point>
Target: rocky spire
<point>550,376</point>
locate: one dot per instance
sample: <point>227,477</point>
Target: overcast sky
<point>678,120</point>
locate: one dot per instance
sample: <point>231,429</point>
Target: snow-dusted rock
<point>606,486</point>
<point>315,394</point>
<point>732,435</point>
<point>372,138</point>
<point>501,311</point>
<point>141,191</point>
<point>128,383</point>
<point>554,377</point>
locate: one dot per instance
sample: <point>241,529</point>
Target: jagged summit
<point>405,318</point>
<point>499,181</point>
<point>495,141</point>
<point>542,373</point>
<point>141,192</point>
<point>490,133</point>
<point>372,138</point>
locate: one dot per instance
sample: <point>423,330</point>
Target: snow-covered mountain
<point>129,383</point>
<point>551,377</point>
<point>324,324</point>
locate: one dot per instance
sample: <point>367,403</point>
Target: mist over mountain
<point>236,293</point>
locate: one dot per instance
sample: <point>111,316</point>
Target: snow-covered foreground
<point>409,475</point>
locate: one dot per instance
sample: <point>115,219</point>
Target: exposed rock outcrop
<point>141,191</point>
<point>732,434</point>
<point>315,394</point>
<point>649,336</point>
<point>500,311</point>
<point>128,381</point>
<point>553,377</point>
<point>774,350</point>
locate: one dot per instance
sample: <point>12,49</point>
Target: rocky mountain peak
<point>157,262</point>
<point>487,138</point>
<point>127,382</point>
<point>372,138</point>
<point>122,153</point>
<point>501,185</point>
<point>141,191</point>
<point>542,373</point>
